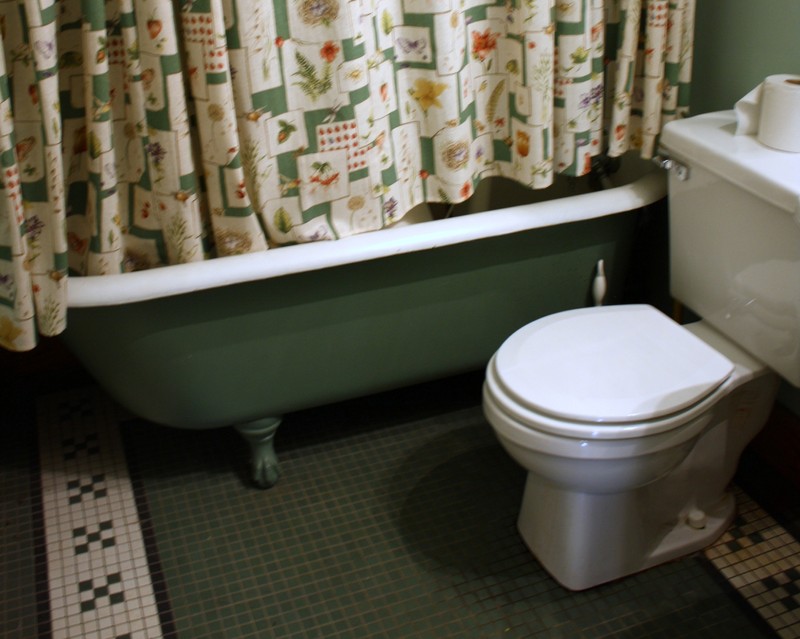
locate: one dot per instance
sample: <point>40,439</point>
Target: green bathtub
<point>240,341</point>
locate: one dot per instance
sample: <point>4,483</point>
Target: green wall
<point>737,44</point>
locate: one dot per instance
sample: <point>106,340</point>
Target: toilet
<point>631,425</point>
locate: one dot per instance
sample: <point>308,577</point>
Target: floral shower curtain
<point>140,133</point>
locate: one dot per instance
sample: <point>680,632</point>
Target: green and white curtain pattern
<point>649,83</point>
<point>141,133</point>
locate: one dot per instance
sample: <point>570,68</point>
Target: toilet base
<point>584,540</point>
<point>684,539</point>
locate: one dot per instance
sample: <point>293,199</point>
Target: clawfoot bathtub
<point>243,340</point>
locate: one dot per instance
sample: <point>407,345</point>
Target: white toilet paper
<point>779,121</point>
<point>771,112</point>
<point>747,112</point>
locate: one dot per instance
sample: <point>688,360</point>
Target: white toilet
<point>630,425</point>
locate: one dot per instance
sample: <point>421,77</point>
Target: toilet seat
<point>605,373</point>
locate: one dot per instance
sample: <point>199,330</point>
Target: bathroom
<point>421,544</point>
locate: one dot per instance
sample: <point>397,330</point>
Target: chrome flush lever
<point>668,164</point>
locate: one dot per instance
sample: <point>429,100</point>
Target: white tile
<point>137,624</point>
<point>62,633</point>
<point>106,622</point>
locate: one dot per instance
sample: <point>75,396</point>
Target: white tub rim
<point>179,279</point>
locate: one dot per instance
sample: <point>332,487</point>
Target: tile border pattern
<point>99,582</point>
<point>104,576</point>
<point>761,560</point>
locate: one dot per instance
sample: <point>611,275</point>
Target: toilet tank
<point>734,218</point>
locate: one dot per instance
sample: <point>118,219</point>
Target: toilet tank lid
<point>709,141</point>
<point>614,365</point>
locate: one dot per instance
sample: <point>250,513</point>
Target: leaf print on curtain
<point>652,47</point>
<point>142,133</point>
<point>33,264</point>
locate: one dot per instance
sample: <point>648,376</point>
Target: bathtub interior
<point>497,192</point>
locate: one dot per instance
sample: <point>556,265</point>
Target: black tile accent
<point>103,536</point>
<point>72,446</point>
<point>93,486</point>
<point>733,546</point>
<point>75,407</point>
<point>100,589</point>
<point>786,585</point>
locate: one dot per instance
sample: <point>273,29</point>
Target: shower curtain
<point>140,133</point>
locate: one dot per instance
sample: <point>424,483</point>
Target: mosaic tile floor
<point>394,517</point>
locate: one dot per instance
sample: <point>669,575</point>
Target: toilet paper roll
<point>779,118</point>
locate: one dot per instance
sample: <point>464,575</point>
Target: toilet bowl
<point>608,409</point>
<point>630,425</point>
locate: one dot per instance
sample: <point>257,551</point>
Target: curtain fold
<point>140,133</point>
<point>651,71</point>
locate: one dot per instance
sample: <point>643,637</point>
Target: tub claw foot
<point>260,435</point>
<point>265,473</point>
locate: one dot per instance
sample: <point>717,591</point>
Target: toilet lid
<point>614,364</point>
